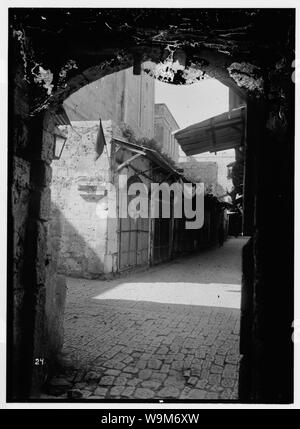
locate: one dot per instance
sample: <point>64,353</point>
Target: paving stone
<point>212,395</point>
<point>91,386</point>
<point>133,382</point>
<point>180,356</point>
<point>141,364</point>
<point>216,369</point>
<point>229,374</point>
<point>131,369</point>
<point>173,381</point>
<point>204,374</point>
<point>200,353</point>
<point>214,379</point>
<point>169,359</point>
<point>100,391</point>
<point>187,373</point>
<point>116,390</point>
<point>184,393</point>
<point>120,381</point>
<point>151,384</point>
<point>144,374</point>
<point>128,392</point>
<point>188,361</point>
<point>174,373</point>
<point>165,368</point>
<point>227,382</point>
<point>146,356</point>
<point>226,394</point>
<point>197,366</point>
<point>230,368</point>
<point>201,384</point>
<point>177,365</point>
<point>195,372</point>
<point>114,365</point>
<point>142,393</point>
<point>232,358</point>
<point>197,394</point>
<point>222,351</point>
<point>160,376</point>
<point>168,392</point>
<point>174,348</point>
<point>162,350</point>
<point>214,388</point>
<point>206,364</point>
<point>192,381</point>
<point>154,364</point>
<point>92,375</point>
<point>114,372</point>
<point>119,365</point>
<point>219,360</point>
<point>107,380</point>
<point>86,393</point>
<point>120,357</point>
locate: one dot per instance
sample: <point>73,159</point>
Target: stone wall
<point>121,97</point>
<point>78,195</point>
<point>85,238</point>
<point>36,335</point>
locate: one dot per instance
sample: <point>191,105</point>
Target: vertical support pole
<point>171,236</point>
<point>249,170</point>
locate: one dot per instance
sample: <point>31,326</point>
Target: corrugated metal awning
<point>225,131</point>
<point>151,154</point>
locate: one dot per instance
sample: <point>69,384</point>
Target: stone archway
<point>53,54</point>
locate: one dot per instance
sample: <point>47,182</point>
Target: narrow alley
<point>170,332</point>
<point>143,254</point>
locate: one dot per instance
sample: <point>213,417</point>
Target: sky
<point>193,103</point>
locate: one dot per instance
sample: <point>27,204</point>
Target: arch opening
<point>236,69</point>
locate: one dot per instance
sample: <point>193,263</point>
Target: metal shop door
<point>133,239</point>
<point>162,240</point>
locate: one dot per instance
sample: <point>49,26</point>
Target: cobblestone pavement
<point>171,332</point>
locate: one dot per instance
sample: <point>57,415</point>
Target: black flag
<point>100,142</point>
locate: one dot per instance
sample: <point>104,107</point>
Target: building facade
<point>164,128</point>
<point>92,242</point>
<point>121,97</point>
<point>89,241</point>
